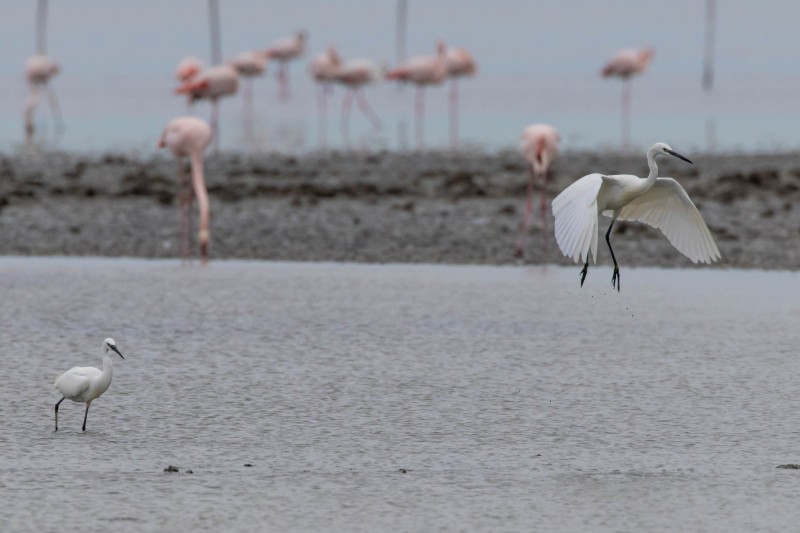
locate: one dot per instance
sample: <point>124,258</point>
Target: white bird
<point>82,384</point>
<point>659,202</point>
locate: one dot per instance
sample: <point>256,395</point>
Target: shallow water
<point>400,398</point>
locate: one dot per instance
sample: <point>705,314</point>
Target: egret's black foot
<point>583,273</point>
<point>616,279</point>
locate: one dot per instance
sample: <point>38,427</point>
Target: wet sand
<point>431,207</point>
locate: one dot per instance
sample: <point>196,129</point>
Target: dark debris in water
<point>789,466</point>
<point>171,468</point>
<point>248,464</point>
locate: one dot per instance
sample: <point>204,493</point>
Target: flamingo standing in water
<point>460,63</point>
<point>249,65</point>
<point>283,51</point>
<point>39,70</point>
<point>324,68</point>
<point>422,71</point>
<point>212,83</point>
<point>539,146</point>
<point>355,74</point>
<point>625,64</point>
<point>189,137</point>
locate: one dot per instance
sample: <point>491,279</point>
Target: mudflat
<point>418,207</point>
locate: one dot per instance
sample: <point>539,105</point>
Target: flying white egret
<point>659,202</point>
<point>82,384</point>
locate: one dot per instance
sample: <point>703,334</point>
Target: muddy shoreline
<point>430,207</point>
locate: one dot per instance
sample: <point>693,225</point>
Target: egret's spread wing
<point>667,206</point>
<point>75,381</point>
<point>575,211</point>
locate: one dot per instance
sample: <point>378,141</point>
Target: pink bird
<point>212,83</point>
<point>354,75</point>
<point>249,65</point>
<point>625,64</point>
<point>283,51</point>
<point>188,68</point>
<point>189,137</point>
<point>460,63</point>
<point>324,68</point>
<point>422,71</point>
<point>539,146</point>
<point>39,70</point>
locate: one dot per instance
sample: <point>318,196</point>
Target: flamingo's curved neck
<point>198,182</point>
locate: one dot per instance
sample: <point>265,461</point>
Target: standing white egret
<point>82,384</point>
<point>659,202</point>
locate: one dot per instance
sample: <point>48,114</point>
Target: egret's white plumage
<point>658,202</point>
<point>82,384</point>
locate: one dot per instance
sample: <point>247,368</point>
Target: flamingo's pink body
<point>283,51</point>
<point>325,66</point>
<point>625,64</point>
<point>539,146</point>
<point>460,63</point>
<point>188,68</point>
<point>422,71</point>
<point>39,70</point>
<point>251,63</point>
<point>212,83</point>
<point>189,137</point>
<point>355,74</point>
<point>628,62</point>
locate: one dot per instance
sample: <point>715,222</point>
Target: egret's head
<point>664,149</point>
<point>109,344</point>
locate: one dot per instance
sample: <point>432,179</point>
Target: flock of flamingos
<point>659,202</point>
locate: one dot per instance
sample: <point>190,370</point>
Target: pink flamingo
<point>212,83</point>
<point>539,146</point>
<point>625,64</point>
<point>189,137</point>
<point>355,74</point>
<point>422,71</point>
<point>324,68</point>
<point>249,65</point>
<point>39,70</point>
<point>285,50</point>
<point>188,68</point>
<point>460,63</point>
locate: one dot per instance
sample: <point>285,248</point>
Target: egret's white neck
<point>651,163</point>
<point>108,366</point>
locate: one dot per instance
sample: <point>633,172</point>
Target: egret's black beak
<point>115,349</point>
<point>676,154</point>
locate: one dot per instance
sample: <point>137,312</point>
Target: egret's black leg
<point>59,403</point>
<point>85,415</point>
<point>585,269</point>
<point>616,279</point>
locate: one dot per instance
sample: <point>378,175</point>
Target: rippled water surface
<point>400,398</point>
